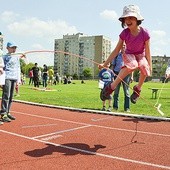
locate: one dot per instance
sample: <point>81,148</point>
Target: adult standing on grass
<point>12,75</point>
<point>51,76</point>
<point>45,75</point>
<point>2,78</point>
<point>35,70</point>
<point>137,53</point>
<point>117,65</point>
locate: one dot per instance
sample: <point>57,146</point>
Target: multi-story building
<point>158,66</point>
<point>1,41</point>
<point>76,52</point>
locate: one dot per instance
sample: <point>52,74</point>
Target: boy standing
<point>106,75</point>
<point>12,75</point>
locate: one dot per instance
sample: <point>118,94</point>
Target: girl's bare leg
<point>137,89</point>
<point>122,74</point>
<point>142,78</point>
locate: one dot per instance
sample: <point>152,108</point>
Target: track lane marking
<point>62,131</point>
<point>86,124</point>
<point>36,126</point>
<point>90,152</point>
<point>96,120</point>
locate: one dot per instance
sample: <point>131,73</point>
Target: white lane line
<point>96,120</point>
<point>44,117</point>
<point>105,127</point>
<point>90,152</point>
<point>62,131</point>
<point>51,137</point>
<point>35,126</point>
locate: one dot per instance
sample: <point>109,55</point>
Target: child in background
<point>106,75</point>
<point>137,53</point>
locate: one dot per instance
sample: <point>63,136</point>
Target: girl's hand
<point>1,71</point>
<point>23,56</point>
<point>100,66</point>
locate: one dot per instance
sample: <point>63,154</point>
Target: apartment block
<point>1,41</point>
<point>158,66</point>
<point>76,52</point>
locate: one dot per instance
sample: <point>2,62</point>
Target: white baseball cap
<point>11,44</point>
<point>131,11</point>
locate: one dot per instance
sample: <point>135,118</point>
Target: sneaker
<point>135,95</point>
<point>109,109</point>
<point>127,110</point>
<point>115,108</point>
<point>103,109</point>
<point>1,123</point>
<point>106,91</point>
<point>5,118</point>
<point>10,116</point>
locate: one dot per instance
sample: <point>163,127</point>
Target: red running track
<point>49,138</point>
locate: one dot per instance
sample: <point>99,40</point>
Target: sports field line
<point>99,126</point>
<point>100,119</point>
<point>90,152</point>
<point>62,131</point>
<point>36,126</point>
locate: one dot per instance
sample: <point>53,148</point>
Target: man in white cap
<point>12,75</point>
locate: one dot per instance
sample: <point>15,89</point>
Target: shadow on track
<point>66,149</point>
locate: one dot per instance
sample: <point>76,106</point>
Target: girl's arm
<point>148,55</point>
<point>114,53</point>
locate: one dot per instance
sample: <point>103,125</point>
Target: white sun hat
<point>131,11</point>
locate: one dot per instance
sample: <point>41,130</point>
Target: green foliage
<point>25,68</point>
<point>87,73</point>
<point>75,76</point>
<point>23,64</point>
<point>163,69</point>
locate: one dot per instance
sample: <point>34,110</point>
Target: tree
<point>75,76</point>
<point>23,64</point>
<point>26,68</point>
<point>87,73</point>
<point>163,69</point>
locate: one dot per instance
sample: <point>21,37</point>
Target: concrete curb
<point>97,111</point>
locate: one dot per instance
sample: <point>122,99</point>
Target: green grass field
<point>86,96</point>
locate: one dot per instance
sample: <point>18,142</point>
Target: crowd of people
<point>46,76</point>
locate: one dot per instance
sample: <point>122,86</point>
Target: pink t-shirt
<point>135,44</point>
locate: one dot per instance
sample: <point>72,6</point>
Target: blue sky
<point>34,24</point>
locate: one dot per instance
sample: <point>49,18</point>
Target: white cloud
<point>37,46</point>
<point>158,34</point>
<point>109,14</point>
<point>41,29</point>
<point>8,16</point>
<point>159,42</point>
<point>36,34</point>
